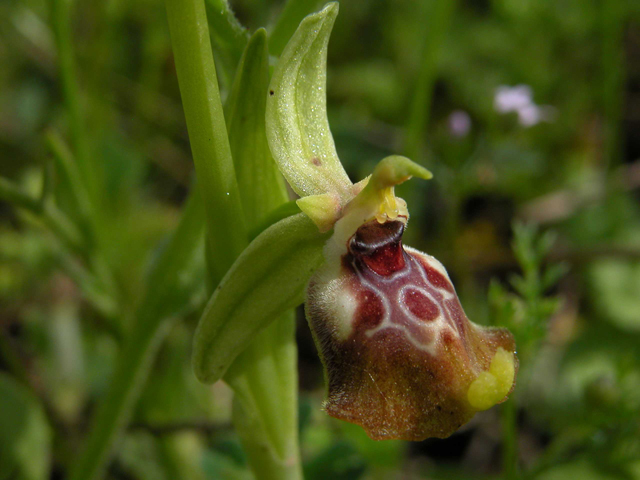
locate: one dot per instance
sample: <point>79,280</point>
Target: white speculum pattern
<point>409,323</point>
<point>345,292</point>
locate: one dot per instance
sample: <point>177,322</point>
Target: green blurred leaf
<point>135,358</point>
<point>553,274</point>
<point>140,457</point>
<point>297,124</point>
<point>340,461</point>
<point>616,292</point>
<point>292,14</point>
<point>268,278</point>
<point>381,456</point>
<point>166,276</point>
<point>217,465</point>
<point>584,469</point>
<point>25,435</point>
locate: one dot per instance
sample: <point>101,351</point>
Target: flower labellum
<point>402,360</point>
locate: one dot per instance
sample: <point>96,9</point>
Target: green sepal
<point>261,185</point>
<point>268,278</point>
<point>297,124</point>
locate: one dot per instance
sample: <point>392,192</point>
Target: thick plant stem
<point>267,394</point>
<point>226,232</point>
<point>265,411</point>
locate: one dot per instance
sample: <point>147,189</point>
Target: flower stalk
<point>264,376</point>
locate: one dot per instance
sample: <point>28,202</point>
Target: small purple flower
<point>519,99</point>
<point>529,115</point>
<point>459,123</point>
<point>512,99</point>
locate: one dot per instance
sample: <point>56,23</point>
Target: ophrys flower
<point>401,358</point>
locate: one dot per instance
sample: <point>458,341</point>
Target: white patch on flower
<point>344,314</point>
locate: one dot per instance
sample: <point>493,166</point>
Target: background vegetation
<point>535,212</point>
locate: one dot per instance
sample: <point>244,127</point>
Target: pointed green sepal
<point>297,125</point>
<point>268,278</point>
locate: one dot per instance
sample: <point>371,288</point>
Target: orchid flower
<point>401,358</point>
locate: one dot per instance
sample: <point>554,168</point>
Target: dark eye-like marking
<point>373,236</point>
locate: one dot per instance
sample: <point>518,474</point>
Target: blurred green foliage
<point>65,311</point>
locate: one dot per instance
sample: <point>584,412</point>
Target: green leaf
<point>615,288</point>
<point>274,216</point>
<point>262,188</point>
<point>267,279</point>
<point>339,461</point>
<point>297,125</point>
<point>164,295</point>
<point>25,435</point>
<point>228,37</point>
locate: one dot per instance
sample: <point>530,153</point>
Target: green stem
<point>67,169</point>
<point>612,69</point>
<point>439,21</point>
<point>60,13</point>
<point>207,134</point>
<point>134,362</point>
<point>510,439</point>
<point>264,379</point>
